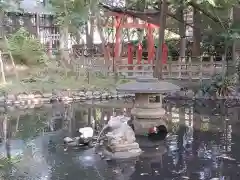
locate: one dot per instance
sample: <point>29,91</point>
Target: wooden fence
<point>174,70</point>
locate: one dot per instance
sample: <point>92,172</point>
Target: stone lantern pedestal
<point>148,111</point>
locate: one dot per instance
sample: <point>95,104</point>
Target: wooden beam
<point>131,25</point>
<point>150,16</point>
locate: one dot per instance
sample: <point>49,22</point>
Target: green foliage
<point>219,86</point>
<point>26,49</point>
<point>173,49</point>
<point>9,5</point>
<point>72,13</point>
<point>31,125</point>
<point>123,81</point>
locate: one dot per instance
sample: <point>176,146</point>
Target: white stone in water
<point>37,96</point>
<point>76,98</point>
<point>89,94</point>
<point>97,94</point>
<point>87,132</point>
<point>2,98</point>
<point>47,95</point>
<point>190,93</point>
<point>30,96</point>
<point>83,98</point>
<point>31,106</point>
<point>81,94</point>
<point>22,96</point>
<point>11,97</point>
<point>105,95</point>
<point>121,95</point>
<point>68,139</point>
<point>16,102</point>
<point>114,94</point>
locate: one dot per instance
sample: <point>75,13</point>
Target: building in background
<point>36,17</point>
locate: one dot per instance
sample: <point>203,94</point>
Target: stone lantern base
<point>148,111</point>
<point>148,118</point>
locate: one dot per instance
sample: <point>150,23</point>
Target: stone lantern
<point>147,109</point>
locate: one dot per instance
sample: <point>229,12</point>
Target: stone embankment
<point>65,96</point>
<point>190,95</point>
<point>37,99</point>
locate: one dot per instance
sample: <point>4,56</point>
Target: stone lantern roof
<point>148,85</point>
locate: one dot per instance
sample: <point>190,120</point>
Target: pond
<point>203,143</point>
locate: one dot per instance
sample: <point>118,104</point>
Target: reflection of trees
<point>123,169</point>
<point>31,125</point>
<point>197,150</point>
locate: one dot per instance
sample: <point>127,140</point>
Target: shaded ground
<point>199,146</point>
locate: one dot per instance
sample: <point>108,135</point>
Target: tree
<point>6,6</point>
<point>69,14</point>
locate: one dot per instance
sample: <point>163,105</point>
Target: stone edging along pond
<point>67,96</point>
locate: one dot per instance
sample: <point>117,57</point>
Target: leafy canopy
<point>72,12</point>
<point>26,49</point>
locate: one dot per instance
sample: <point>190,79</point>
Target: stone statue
<point>120,140</point>
<point>121,132</point>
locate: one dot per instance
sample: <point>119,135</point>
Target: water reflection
<point>201,144</point>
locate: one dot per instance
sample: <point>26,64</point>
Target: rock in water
<point>68,140</point>
<point>121,141</point>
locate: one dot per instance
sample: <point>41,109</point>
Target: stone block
<point>124,147</point>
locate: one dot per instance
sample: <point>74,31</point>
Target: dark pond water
<point>203,143</point>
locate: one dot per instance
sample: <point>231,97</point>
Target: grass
<point>47,78</point>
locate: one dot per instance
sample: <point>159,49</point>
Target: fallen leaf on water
<point>224,156</point>
<point>144,174</point>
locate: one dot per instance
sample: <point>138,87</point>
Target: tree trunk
<point>141,37</point>
<point>7,132</point>
<point>88,36</point>
<point>2,69</point>
<point>64,42</point>
<point>104,43</point>
<point>2,30</point>
<point>64,54</point>
<point>236,43</point>
<point>29,25</point>
<point>91,34</point>
<point>158,61</point>
<point>196,51</point>
<point>78,37</point>
<point>128,34</point>
<point>182,32</point>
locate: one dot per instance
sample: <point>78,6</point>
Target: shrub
<point>219,86</point>
<point>26,49</point>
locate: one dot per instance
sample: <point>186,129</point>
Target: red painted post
<point>139,55</point>
<point>118,37</point>
<point>150,43</point>
<point>164,54</point>
<point>130,56</point>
